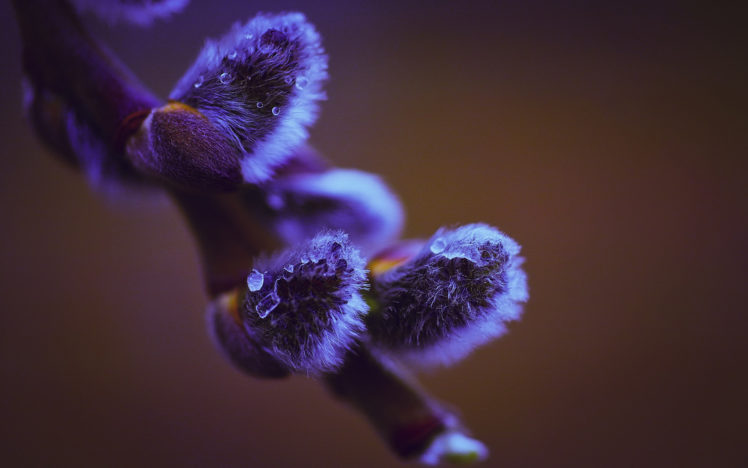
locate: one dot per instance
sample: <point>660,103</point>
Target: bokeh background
<point>611,141</point>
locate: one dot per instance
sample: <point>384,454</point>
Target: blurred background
<point>610,141</point>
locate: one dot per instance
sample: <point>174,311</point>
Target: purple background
<point>610,141</point>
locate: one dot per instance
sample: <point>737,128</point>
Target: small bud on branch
<point>229,335</point>
<point>357,202</point>
<point>304,305</point>
<point>178,144</point>
<point>260,85</point>
<point>455,294</point>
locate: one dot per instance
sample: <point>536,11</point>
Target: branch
<point>69,70</point>
<point>60,56</point>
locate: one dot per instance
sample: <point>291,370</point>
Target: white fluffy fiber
<point>266,141</point>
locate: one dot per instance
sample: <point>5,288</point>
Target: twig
<point>62,60</point>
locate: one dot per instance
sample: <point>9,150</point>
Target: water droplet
<point>225,78</point>
<point>438,245</point>
<point>301,82</point>
<point>232,55</point>
<point>255,280</point>
<point>249,36</point>
<point>276,110</point>
<point>259,105</point>
<point>199,82</point>
<point>267,304</point>
<point>289,268</point>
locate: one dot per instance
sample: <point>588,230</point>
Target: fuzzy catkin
<point>455,294</point>
<point>357,202</point>
<point>304,306</point>
<point>260,84</point>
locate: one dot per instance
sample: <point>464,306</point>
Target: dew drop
<point>301,82</point>
<point>267,304</point>
<point>249,36</point>
<point>276,110</point>
<point>259,105</point>
<point>255,280</point>
<point>289,268</point>
<point>232,55</point>
<point>225,78</point>
<point>199,82</point>
<point>438,246</point>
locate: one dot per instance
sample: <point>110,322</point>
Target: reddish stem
<point>228,234</point>
<point>404,416</point>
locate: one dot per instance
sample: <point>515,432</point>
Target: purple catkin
<point>260,85</point>
<point>304,307</point>
<point>131,11</point>
<point>356,202</point>
<point>455,294</point>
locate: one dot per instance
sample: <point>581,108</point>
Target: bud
<point>230,337</point>
<point>178,145</point>
<point>259,85</point>
<point>359,203</point>
<point>304,306</point>
<point>140,12</point>
<point>455,294</point>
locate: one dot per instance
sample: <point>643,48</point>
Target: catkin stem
<point>228,233</point>
<point>405,416</point>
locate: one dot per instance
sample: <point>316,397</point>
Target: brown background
<point>609,141</point>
